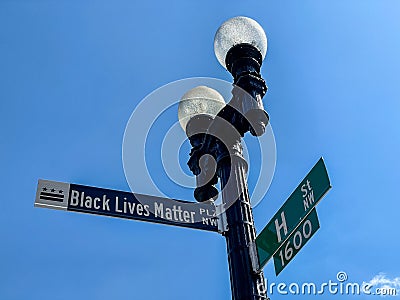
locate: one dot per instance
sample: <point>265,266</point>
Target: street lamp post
<point>240,46</point>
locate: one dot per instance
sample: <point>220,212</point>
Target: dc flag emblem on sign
<point>52,194</point>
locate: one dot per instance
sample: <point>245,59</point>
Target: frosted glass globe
<point>199,100</point>
<point>239,30</point>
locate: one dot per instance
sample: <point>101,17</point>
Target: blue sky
<point>72,72</point>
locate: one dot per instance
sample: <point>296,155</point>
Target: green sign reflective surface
<point>299,204</point>
<point>296,240</point>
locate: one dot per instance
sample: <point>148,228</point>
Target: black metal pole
<point>244,113</point>
<point>246,284</point>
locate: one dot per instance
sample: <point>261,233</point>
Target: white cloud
<point>385,284</point>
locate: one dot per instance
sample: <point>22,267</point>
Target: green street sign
<point>299,204</point>
<point>296,240</point>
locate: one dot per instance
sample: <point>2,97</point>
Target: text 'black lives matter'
<point>127,205</point>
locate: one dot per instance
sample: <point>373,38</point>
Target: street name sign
<point>299,204</point>
<point>112,203</point>
<point>295,241</point>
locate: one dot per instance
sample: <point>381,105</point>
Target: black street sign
<point>120,204</point>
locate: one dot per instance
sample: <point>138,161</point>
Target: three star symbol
<point>52,190</point>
